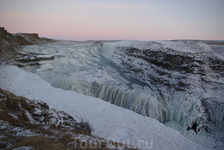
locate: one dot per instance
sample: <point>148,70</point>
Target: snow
<point>121,134</point>
<point>13,115</point>
<point>107,120</point>
<point>184,106</point>
<point>207,141</point>
<point>22,132</point>
<point>45,56</point>
<point>23,148</point>
<point>183,46</point>
<point>186,46</point>
<point>32,121</point>
<point>18,130</point>
<point>97,71</point>
<point>81,68</point>
<point>219,49</point>
<point>5,125</point>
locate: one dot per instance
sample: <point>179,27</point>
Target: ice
<point>23,148</point>
<point>203,139</point>
<point>32,121</point>
<point>68,56</point>
<point>19,131</point>
<point>120,134</point>
<point>104,117</point>
<point>13,115</point>
<point>45,56</point>
<point>5,125</point>
<point>200,105</point>
<point>118,72</point>
<point>102,85</point>
<point>26,133</point>
<point>219,49</point>
<point>82,69</point>
<point>186,46</point>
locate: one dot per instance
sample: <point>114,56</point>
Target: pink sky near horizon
<point>115,20</point>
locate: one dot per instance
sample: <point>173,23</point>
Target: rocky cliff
<point>188,75</point>
<point>10,44</point>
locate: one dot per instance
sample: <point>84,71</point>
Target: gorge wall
<point>187,74</point>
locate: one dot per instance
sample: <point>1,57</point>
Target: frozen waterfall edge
<point>187,85</point>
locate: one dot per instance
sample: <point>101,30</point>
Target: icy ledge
<point>109,121</point>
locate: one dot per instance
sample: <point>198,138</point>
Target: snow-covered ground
<point>103,71</point>
<point>108,121</point>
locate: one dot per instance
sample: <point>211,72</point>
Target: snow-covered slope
<point>108,121</point>
<point>29,124</point>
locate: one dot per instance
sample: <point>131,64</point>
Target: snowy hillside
<point>30,124</point>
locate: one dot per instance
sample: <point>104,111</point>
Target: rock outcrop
<point>3,33</point>
<point>10,44</point>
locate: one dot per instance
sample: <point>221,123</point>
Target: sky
<point>115,19</point>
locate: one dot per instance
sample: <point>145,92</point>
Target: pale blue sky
<point>115,19</point>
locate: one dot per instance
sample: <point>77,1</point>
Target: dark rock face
<point>28,39</point>
<point>85,127</point>
<point>3,33</point>
<point>35,58</point>
<point>186,62</point>
<point>10,44</point>
<point>164,63</point>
